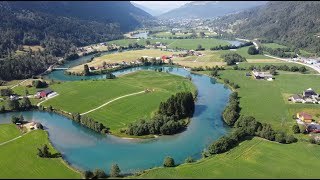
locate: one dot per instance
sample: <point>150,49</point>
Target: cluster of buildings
<point>262,75</point>
<point>47,93</point>
<point>164,59</point>
<point>308,96</point>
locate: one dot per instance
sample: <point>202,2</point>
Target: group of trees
<point>6,92</point>
<point>280,52</point>
<point>168,162</point>
<point>44,152</point>
<point>200,48</point>
<point>253,51</point>
<point>169,118</point>
<point>39,84</point>
<point>248,126</point>
<point>89,123</point>
<point>226,47</point>
<point>71,56</point>
<point>232,84</point>
<point>232,58</point>
<point>245,126</point>
<point>15,119</point>
<point>179,106</point>
<point>207,68</point>
<point>15,105</point>
<point>135,45</point>
<point>301,69</point>
<point>231,112</point>
<point>99,173</point>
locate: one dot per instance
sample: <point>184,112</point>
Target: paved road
<point>111,102</point>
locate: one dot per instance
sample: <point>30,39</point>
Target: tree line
<point>245,127</point>
<point>226,47</point>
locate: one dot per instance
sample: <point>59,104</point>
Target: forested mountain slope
<point>57,27</point>
<point>210,9</point>
<point>292,23</point>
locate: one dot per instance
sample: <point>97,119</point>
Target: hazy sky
<point>161,5</point>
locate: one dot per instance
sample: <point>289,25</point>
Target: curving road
<point>111,102</point>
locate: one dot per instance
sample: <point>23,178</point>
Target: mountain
<point>146,9</point>
<point>58,27</point>
<point>121,12</point>
<point>292,23</point>
<point>210,9</point>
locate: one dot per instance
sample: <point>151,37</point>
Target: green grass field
<point>82,96</point>
<point>177,34</point>
<point>275,45</point>
<point>267,101</point>
<point>193,43</point>
<point>256,158</point>
<point>8,132</point>
<point>244,52</point>
<point>19,158</point>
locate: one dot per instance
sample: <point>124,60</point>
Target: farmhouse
<point>305,117</point>
<point>296,99</point>
<point>43,93</point>
<point>261,75</point>
<point>309,93</point>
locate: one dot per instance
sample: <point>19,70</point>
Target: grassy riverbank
<point>82,96</point>
<point>256,158</point>
<point>19,158</point>
<point>267,101</point>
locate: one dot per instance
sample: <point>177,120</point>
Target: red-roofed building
<point>305,117</point>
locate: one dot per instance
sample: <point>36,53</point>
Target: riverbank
<point>118,147</point>
<point>41,167</point>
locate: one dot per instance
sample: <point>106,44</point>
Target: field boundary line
<point>3,143</point>
<point>111,102</point>
<point>19,83</point>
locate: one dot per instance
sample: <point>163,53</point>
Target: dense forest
<point>295,24</point>
<point>57,27</point>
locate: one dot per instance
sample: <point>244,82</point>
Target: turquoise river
<point>85,149</point>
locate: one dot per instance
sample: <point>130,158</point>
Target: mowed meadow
<point>256,158</point>
<point>82,96</point>
<point>19,157</point>
<point>267,101</point>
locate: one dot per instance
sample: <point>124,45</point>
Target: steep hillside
<point>58,27</point>
<point>210,9</point>
<point>292,23</point>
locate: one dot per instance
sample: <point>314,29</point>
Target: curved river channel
<point>86,149</point>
